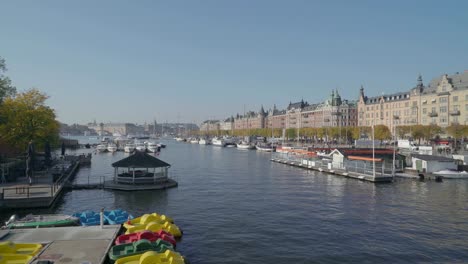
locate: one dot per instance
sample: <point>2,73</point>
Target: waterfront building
<point>251,120</point>
<point>227,124</point>
<point>276,118</point>
<point>210,125</point>
<point>116,128</point>
<point>443,102</point>
<point>331,112</point>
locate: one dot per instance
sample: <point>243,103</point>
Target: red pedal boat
<point>151,236</point>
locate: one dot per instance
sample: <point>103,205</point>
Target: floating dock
<point>339,172</point>
<point>111,185</point>
<point>76,244</point>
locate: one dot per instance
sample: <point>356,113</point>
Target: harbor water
<point>236,206</point>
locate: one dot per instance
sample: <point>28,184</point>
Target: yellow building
<point>443,102</point>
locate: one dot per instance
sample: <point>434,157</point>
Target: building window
<point>443,109</point>
<point>424,120</point>
<point>415,103</point>
<point>455,98</point>
<point>455,119</point>
<point>443,120</point>
<point>455,108</point>
<point>407,104</point>
<point>433,110</point>
<point>443,99</point>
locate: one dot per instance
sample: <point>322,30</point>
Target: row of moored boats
<point>130,147</point>
<point>229,142</point>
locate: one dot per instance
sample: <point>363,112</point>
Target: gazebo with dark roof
<point>137,169</point>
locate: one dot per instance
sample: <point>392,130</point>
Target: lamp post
<point>394,144</point>
<point>373,151</point>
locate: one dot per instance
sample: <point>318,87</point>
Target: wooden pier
<point>37,195</point>
<point>72,244</point>
<point>338,172</point>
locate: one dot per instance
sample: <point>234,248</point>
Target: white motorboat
<point>129,147</point>
<point>204,141</point>
<point>140,146</point>
<point>179,139</point>
<point>245,145</point>
<point>101,148</point>
<point>452,174</point>
<point>194,141</point>
<point>152,147</point>
<point>111,147</point>
<point>265,147</point>
<point>218,142</point>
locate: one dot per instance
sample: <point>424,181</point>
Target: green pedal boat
<point>138,247</point>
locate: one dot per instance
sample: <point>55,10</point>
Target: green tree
<point>402,131</point>
<point>26,117</point>
<point>382,132</point>
<point>6,89</point>
<point>418,132</point>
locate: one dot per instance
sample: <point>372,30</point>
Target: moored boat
<point>89,218</point>
<point>8,247</point>
<point>152,147</point>
<point>101,148</point>
<point>138,247</point>
<point>129,147</point>
<point>452,174</point>
<point>204,141</point>
<point>218,142</point>
<point>151,236</point>
<point>111,147</point>
<point>168,257</point>
<point>265,147</point>
<point>117,217</point>
<point>40,221</point>
<point>245,145</point>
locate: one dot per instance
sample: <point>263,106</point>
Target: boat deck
<point>75,244</point>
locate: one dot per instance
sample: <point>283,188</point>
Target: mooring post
<point>102,217</point>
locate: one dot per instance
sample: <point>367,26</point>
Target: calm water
<point>238,207</point>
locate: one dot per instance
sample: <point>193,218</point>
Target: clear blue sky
<point>133,61</point>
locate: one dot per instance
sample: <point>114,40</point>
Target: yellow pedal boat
<point>153,257</point>
<point>148,218</point>
<point>9,247</point>
<point>155,227</point>
<point>14,258</point>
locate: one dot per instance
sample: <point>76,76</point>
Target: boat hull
<point>42,221</point>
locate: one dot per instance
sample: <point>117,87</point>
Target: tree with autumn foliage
<point>382,132</point>
<point>26,117</point>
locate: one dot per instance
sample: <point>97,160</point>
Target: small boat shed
<point>431,163</point>
<point>140,168</point>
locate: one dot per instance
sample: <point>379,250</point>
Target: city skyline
<point>187,62</point>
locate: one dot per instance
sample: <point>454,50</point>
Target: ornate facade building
<point>443,102</point>
<point>250,120</point>
<point>332,112</point>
